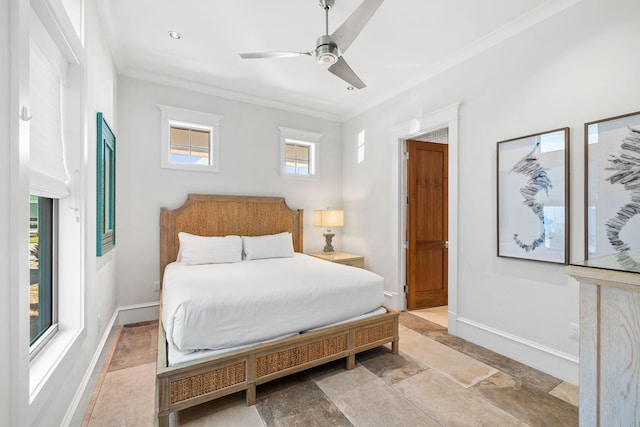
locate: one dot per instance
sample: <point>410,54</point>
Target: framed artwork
<point>106,188</point>
<point>612,192</point>
<point>533,213</point>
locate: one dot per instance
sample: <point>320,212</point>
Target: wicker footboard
<point>193,383</point>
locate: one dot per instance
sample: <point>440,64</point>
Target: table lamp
<point>328,219</point>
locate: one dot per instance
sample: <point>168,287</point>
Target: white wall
<point>578,66</point>
<point>101,97</point>
<point>5,201</point>
<point>249,165</point>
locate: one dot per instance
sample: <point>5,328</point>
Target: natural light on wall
<point>361,146</point>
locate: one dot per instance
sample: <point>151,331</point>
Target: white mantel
<point>609,346</point>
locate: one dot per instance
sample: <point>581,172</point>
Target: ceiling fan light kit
<point>330,48</point>
<point>327,52</point>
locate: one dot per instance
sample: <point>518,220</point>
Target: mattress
<point>220,306</point>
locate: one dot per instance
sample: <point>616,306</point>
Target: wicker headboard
<point>214,215</point>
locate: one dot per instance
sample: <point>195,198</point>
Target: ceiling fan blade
<point>342,70</point>
<point>266,55</point>
<point>349,30</point>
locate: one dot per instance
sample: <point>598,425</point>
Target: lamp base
<point>328,247</point>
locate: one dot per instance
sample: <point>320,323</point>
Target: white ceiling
<point>406,42</point>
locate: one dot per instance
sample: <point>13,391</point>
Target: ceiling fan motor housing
<point>327,52</point>
<point>326,3</point>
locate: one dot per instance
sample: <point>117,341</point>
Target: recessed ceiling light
<point>350,88</point>
<point>175,35</point>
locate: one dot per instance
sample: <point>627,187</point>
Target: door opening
<point>427,223</point>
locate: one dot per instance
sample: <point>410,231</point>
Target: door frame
<point>445,117</point>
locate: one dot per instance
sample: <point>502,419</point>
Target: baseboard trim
<point>72,415</point>
<point>138,306</point>
<point>394,300</point>
<point>138,313</point>
<point>452,322</point>
<point>554,362</point>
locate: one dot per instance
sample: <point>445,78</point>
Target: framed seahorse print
<point>533,194</point>
<point>612,193</point>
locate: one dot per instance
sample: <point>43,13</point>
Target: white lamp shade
<point>328,218</point>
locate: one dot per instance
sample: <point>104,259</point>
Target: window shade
<point>48,175</point>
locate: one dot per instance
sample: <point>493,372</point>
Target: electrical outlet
<point>156,286</point>
<point>574,331</point>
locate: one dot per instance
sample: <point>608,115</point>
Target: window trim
<point>194,120</point>
<point>300,137</point>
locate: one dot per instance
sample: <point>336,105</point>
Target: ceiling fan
<point>329,48</point>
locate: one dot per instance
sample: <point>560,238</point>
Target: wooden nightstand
<point>341,258</point>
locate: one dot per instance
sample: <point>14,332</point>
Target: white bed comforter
<point>217,306</point>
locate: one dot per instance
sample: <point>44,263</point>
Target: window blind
<point>48,176</point>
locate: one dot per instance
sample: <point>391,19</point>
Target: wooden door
<point>427,207</point>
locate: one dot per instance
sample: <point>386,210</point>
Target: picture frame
<point>612,192</point>
<point>532,197</point>
<point>105,188</point>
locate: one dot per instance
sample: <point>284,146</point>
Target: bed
<point>222,371</point>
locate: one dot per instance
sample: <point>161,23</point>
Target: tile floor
<point>436,380</point>
<point>437,315</point>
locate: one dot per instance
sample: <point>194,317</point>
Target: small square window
<point>190,146</point>
<point>297,158</point>
<point>299,153</point>
<point>190,139</point>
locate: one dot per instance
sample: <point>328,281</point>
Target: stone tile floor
<point>436,380</point>
<point>438,315</point>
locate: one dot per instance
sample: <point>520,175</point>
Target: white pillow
<point>209,250</point>
<point>269,246</point>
